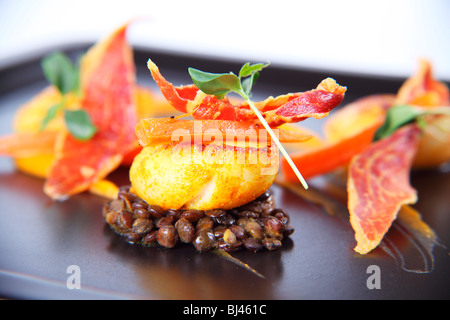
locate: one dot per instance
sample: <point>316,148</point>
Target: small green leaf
<point>79,124</point>
<point>218,84</point>
<point>77,86</point>
<point>247,84</point>
<point>51,113</point>
<point>248,70</point>
<point>397,117</point>
<point>59,71</point>
<point>421,123</point>
<point>252,72</point>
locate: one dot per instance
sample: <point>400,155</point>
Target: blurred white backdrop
<point>384,37</point>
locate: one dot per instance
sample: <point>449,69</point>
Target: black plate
<point>40,239</point>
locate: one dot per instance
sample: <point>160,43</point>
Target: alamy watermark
<point>74,280</point>
<point>374,280</point>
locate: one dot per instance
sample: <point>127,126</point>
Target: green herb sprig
<point>65,76</point>
<point>401,115</point>
<point>220,84</point>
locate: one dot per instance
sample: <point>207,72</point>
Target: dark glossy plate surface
<point>40,239</point>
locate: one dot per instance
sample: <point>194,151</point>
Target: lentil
<point>216,213</point>
<point>238,231</point>
<point>229,237</point>
<point>167,236</point>
<point>271,243</point>
<point>142,226</point>
<point>254,229</point>
<point>253,244</point>
<point>125,220</point>
<point>192,215</point>
<point>186,230</point>
<point>255,226</point>
<point>141,213</point>
<point>150,238</point>
<point>274,227</point>
<point>204,241</point>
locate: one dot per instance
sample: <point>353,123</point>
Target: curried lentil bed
<point>255,226</point>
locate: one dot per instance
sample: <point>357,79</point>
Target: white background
<point>384,37</point>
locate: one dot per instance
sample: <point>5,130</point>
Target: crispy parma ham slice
<point>288,108</point>
<point>108,82</point>
<point>378,186</point>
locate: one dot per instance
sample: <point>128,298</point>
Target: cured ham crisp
<point>378,185</point>
<point>294,107</point>
<point>108,80</point>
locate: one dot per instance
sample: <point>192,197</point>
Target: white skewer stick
<point>277,142</point>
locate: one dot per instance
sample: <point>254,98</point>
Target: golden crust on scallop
<point>175,176</point>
